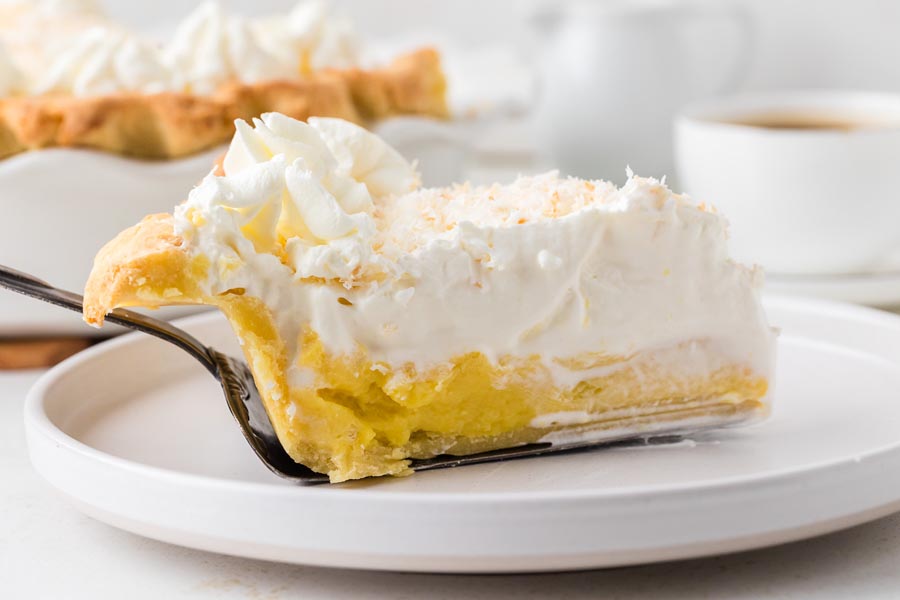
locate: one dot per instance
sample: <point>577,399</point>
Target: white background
<point>800,43</point>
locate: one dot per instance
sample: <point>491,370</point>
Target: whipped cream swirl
<point>104,61</point>
<point>211,47</point>
<point>304,191</point>
<point>70,47</point>
<point>310,38</point>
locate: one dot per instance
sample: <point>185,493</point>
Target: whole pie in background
<point>70,77</point>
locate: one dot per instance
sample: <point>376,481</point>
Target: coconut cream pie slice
<point>383,321</point>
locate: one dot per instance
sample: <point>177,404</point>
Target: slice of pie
<point>70,77</point>
<point>383,321</point>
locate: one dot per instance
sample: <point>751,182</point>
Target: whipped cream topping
<point>310,38</point>
<point>103,60</point>
<point>211,47</point>
<point>36,32</point>
<point>305,191</point>
<point>545,266</point>
<point>70,47</point>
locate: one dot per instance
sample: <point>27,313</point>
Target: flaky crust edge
<point>145,265</point>
<point>172,125</point>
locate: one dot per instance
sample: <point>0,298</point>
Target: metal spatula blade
<point>246,405</point>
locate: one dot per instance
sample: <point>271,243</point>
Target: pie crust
<point>171,125</point>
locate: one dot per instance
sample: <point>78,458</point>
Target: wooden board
<point>39,352</point>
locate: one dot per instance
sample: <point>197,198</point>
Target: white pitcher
<point>614,74</point>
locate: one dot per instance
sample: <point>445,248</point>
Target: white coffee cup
<point>824,199</point>
<point>614,74</point>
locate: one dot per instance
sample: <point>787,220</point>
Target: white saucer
<point>874,289</point>
<point>138,436</point>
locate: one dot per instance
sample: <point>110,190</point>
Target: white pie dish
<point>165,460</point>
<point>59,206</point>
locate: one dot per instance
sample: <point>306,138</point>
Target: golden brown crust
<point>171,125</point>
<point>138,267</point>
<point>417,86</point>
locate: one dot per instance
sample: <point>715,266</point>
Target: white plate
<point>881,288</point>
<point>138,436</point>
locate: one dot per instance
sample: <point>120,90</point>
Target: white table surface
<point>50,550</point>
